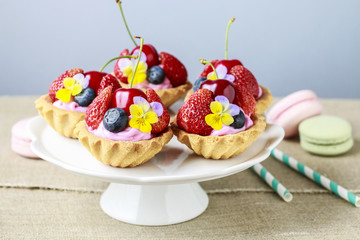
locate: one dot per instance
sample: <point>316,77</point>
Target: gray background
<point>288,45</point>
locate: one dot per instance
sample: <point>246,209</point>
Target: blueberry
<point>239,120</point>
<point>198,82</point>
<point>115,120</point>
<point>86,96</point>
<point>155,75</point>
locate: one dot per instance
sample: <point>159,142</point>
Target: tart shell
<point>220,147</point>
<point>121,153</point>
<point>62,121</point>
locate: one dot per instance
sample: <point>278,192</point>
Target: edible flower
<point>127,67</point>
<point>143,114</point>
<point>73,86</point>
<point>222,112</point>
<point>221,71</point>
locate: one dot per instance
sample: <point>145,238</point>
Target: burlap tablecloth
<point>41,201</point>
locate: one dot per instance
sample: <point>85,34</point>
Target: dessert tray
<point>164,190</point>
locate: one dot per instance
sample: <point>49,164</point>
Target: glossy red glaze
<point>95,79</point>
<point>221,87</point>
<point>152,57</point>
<point>228,63</point>
<point>123,98</point>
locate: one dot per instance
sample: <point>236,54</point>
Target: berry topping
<point>164,119</point>
<point>86,96</point>
<point>208,69</point>
<point>220,87</point>
<point>229,64</point>
<point>191,115</point>
<point>246,79</point>
<point>94,79</point>
<point>198,82</point>
<point>95,112</point>
<point>57,84</point>
<point>244,99</point>
<point>123,98</point>
<point>152,57</point>
<point>108,80</point>
<point>239,120</point>
<point>174,69</point>
<point>115,120</point>
<point>73,86</point>
<point>118,73</point>
<point>155,75</point>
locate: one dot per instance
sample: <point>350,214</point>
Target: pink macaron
<point>20,139</point>
<point>293,109</point>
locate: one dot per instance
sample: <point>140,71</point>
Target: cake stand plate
<point>164,190</point>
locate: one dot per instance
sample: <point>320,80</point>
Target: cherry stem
<point>138,60</point>
<point>115,58</point>
<point>226,38</point>
<point>203,61</point>
<point>127,27</point>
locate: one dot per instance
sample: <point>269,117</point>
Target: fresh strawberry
<point>95,112</point>
<point>191,115</point>
<point>244,98</point>
<point>108,80</point>
<point>58,83</point>
<point>118,73</point>
<point>246,79</point>
<point>174,69</point>
<point>208,69</point>
<point>164,119</point>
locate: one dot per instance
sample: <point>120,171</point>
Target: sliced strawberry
<point>58,82</point>
<point>164,119</point>
<point>191,115</point>
<point>174,69</point>
<point>117,70</point>
<point>208,69</point>
<point>245,100</point>
<point>246,79</point>
<point>108,80</point>
<point>95,112</point>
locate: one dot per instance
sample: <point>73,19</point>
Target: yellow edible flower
<point>142,116</point>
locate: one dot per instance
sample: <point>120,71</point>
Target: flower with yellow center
<point>143,114</point>
<point>73,86</point>
<point>222,73</point>
<point>222,112</point>
<point>127,67</point>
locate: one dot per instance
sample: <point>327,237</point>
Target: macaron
<point>20,139</point>
<point>326,135</point>
<point>293,109</point>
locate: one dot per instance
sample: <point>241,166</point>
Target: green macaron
<point>326,135</point>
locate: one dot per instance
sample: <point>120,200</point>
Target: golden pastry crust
<point>220,147</point>
<point>170,95</point>
<point>121,153</point>
<point>261,104</point>
<point>62,121</point>
<point>264,101</point>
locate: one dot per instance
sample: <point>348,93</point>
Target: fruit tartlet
<point>234,71</point>
<point>69,96</point>
<point>162,72</point>
<point>218,121</point>
<point>125,127</point>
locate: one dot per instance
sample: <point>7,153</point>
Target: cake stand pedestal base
<point>154,205</point>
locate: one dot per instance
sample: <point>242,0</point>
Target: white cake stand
<point>164,190</point>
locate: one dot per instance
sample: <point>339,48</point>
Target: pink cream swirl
<point>69,106</point>
<point>226,130</point>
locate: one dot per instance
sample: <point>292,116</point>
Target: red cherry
<point>228,63</point>
<point>220,87</point>
<point>95,79</point>
<point>152,57</point>
<point>123,98</point>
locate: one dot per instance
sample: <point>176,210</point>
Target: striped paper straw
<point>317,177</point>
<point>272,182</point>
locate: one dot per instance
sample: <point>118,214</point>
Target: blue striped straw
<point>317,177</point>
<point>272,182</point>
